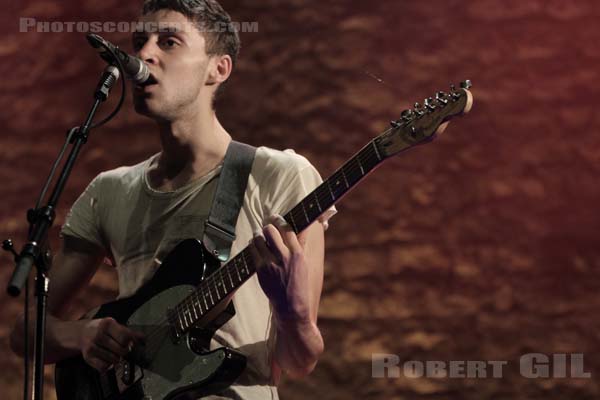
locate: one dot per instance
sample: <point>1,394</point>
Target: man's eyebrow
<point>170,29</point>
<point>161,28</point>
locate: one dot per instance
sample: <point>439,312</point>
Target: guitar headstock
<point>422,123</point>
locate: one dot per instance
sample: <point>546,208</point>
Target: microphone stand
<point>36,251</point>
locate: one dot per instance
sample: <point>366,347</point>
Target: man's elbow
<point>301,370</point>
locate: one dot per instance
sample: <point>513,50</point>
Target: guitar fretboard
<point>240,268</point>
<point>333,188</point>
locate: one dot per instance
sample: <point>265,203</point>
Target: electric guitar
<point>187,299</point>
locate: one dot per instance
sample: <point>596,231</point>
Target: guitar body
<point>168,366</point>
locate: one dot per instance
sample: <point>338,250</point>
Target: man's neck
<point>191,147</point>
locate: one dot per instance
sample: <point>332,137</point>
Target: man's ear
<point>219,69</point>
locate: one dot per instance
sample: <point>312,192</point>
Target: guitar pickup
<point>175,332</point>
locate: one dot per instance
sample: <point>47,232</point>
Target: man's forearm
<point>62,338</point>
<point>298,346</point>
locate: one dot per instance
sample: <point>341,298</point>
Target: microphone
<point>135,69</point>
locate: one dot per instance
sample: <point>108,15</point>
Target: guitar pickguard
<point>173,362</point>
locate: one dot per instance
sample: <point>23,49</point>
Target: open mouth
<point>150,81</point>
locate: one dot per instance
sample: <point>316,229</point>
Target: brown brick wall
<point>480,246</point>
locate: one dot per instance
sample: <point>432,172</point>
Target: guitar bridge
<point>119,379</point>
<point>127,374</point>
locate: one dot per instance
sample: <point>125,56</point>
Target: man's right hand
<point>104,342</point>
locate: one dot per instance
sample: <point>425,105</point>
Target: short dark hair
<point>210,19</point>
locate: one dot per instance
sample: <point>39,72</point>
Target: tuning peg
<point>453,93</point>
<point>430,104</point>
<point>418,110</point>
<point>466,84</point>
<point>407,115</point>
<point>441,97</point>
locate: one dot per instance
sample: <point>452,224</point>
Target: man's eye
<point>169,43</point>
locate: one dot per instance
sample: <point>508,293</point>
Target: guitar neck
<point>240,268</point>
<point>334,188</point>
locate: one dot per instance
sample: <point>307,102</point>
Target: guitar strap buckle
<point>219,239</point>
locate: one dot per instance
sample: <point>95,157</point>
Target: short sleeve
<point>83,220</point>
<point>294,180</point>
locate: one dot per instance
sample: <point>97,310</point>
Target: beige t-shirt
<point>138,226</point>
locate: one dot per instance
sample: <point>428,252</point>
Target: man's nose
<point>148,52</point>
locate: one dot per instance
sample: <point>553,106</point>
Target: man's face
<point>178,61</point>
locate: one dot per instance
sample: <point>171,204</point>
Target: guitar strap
<point>219,228</point>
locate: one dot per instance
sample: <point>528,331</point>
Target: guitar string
<point>368,155</point>
<point>151,346</point>
<point>165,323</point>
<point>350,168</point>
<point>321,197</point>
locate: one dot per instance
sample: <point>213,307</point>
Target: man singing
<point>135,215</point>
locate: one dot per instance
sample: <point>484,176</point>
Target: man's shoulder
<point>127,175</point>
<point>274,162</point>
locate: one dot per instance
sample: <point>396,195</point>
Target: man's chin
<point>142,107</point>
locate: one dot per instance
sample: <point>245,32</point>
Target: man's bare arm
<point>72,268</point>
<point>101,341</point>
<point>292,278</point>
